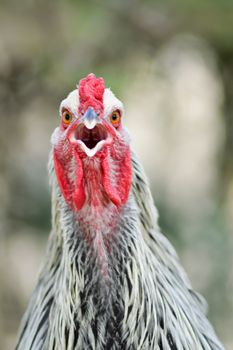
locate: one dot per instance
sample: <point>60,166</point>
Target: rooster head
<point>91,147</point>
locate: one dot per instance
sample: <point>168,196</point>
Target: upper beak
<point>89,133</point>
<point>90,118</point>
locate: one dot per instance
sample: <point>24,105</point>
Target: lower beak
<point>90,136</point>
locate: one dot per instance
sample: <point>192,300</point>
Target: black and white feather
<point>146,303</point>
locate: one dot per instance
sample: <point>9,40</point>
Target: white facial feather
<point>111,103</point>
<point>71,102</point>
<point>55,136</point>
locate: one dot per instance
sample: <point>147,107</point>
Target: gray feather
<point>147,302</point>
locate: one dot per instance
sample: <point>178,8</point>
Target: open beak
<point>89,133</point>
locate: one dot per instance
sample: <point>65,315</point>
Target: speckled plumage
<point>146,302</point>
<point>110,278</point>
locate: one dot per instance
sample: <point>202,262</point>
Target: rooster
<point>110,279</point>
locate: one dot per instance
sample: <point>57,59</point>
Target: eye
<point>66,118</point>
<point>115,118</point>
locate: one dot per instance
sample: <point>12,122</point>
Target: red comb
<point>91,91</point>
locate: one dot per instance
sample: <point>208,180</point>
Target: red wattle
<point>118,194</point>
<point>62,179</point>
<point>126,177</point>
<point>74,194</point>
<point>110,190</point>
<point>79,194</point>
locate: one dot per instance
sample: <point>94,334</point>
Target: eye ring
<point>66,118</point>
<point>115,118</point>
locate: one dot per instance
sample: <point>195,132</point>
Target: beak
<point>90,118</point>
<point>89,133</point>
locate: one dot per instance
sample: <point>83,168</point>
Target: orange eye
<point>66,117</point>
<point>115,118</point>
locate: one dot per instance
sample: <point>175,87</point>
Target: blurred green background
<point>171,63</point>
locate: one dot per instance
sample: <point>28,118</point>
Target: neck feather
<point>97,228</point>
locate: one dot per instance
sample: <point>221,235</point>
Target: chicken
<point>110,279</point>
